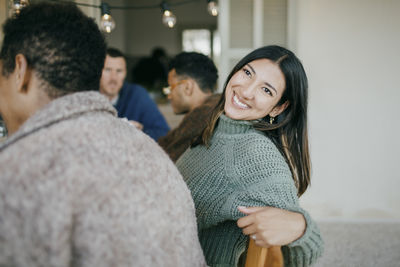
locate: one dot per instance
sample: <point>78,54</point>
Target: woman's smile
<point>236,101</point>
<point>253,91</point>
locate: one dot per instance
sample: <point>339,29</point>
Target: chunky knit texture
<point>80,187</point>
<point>242,167</point>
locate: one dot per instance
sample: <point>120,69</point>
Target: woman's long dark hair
<point>289,130</point>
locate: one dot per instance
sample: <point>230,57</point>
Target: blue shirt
<point>134,103</point>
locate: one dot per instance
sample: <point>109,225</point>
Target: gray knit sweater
<point>80,187</point>
<point>241,167</point>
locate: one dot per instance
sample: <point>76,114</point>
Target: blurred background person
<point>151,72</point>
<point>192,80</point>
<point>131,100</point>
<point>77,187</point>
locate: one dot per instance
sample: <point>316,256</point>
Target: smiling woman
<point>254,152</point>
<point>253,92</point>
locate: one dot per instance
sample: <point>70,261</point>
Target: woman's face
<point>253,91</point>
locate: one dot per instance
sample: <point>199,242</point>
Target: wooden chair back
<point>263,257</point>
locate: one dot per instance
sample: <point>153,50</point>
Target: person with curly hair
<point>78,185</point>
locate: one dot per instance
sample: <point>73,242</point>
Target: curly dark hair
<point>198,67</point>
<point>61,44</point>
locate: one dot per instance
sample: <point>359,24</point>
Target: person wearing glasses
<point>192,79</point>
<point>131,100</point>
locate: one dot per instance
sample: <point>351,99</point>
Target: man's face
<point>177,97</point>
<point>113,76</point>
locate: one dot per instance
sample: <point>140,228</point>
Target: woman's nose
<point>248,91</point>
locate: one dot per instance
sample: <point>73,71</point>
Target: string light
<point>107,23</point>
<point>168,18</point>
<point>212,8</point>
<point>17,5</point>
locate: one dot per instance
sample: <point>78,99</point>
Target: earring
<point>271,120</point>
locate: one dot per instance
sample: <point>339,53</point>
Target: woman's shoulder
<point>258,152</point>
<point>256,143</point>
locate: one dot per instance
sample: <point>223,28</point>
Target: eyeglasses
<point>167,90</point>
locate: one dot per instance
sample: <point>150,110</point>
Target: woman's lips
<point>238,103</point>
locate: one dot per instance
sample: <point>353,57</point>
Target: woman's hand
<point>270,226</point>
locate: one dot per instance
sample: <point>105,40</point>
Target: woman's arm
<point>280,221</point>
<point>270,226</point>
<point>277,227</point>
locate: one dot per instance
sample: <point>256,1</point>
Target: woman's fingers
<point>244,221</point>
<point>259,241</point>
<point>249,230</point>
<point>258,237</point>
<point>249,210</point>
<point>251,218</point>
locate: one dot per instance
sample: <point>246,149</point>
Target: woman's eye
<point>267,91</point>
<point>247,72</point>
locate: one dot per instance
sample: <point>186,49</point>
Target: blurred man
<point>151,72</point>
<point>192,80</point>
<point>78,186</point>
<point>131,100</point>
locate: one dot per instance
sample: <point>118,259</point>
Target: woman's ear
<point>278,109</point>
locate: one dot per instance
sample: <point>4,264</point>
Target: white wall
<point>245,25</point>
<point>351,52</point>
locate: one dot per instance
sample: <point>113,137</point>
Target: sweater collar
<point>227,125</point>
<point>60,109</point>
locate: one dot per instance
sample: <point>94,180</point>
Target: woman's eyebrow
<point>269,85</point>
<point>251,68</point>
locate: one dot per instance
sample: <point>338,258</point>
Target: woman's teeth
<point>240,104</point>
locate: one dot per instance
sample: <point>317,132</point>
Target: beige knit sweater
<point>80,187</point>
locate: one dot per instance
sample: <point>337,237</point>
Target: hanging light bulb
<point>107,23</point>
<point>212,7</point>
<point>168,18</point>
<point>17,5</point>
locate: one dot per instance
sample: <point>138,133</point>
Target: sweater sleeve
<point>303,251</point>
<point>271,186</point>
